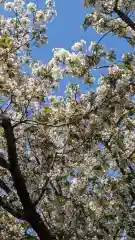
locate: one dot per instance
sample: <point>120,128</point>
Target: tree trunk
<point>30,214</point>
<point>37,224</point>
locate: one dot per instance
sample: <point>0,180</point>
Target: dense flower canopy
<point>61,149</point>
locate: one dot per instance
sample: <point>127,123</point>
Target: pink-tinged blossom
<point>113,70</point>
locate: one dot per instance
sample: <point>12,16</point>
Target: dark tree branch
<point>42,192</point>
<point>30,213</point>
<point>4,164</point>
<point>45,185</point>
<point>14,211</point>
<point>4,186</point>
<point>125,18</point>
<point>131,192</point>
<point>116,3</point>
<point>131,154</point>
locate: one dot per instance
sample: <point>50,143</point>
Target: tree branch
<point>40,196</point>
<point>30,213</point>
<point>14,211</point>
<point>4,186</point>
<point>4,164</point>
<point>125,18</point>
<point>42,193</point>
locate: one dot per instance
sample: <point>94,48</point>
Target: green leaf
<point>66,183</point>
<point>1,132</point>
<point>129,67</point>
<point>6,42</point>
<point>122,66</point>
<point>47,110</point>
<point>93,179</point>
<point>109,217</point>
<point>82,190</point>
<point>113,186</point>
<point>98,168</point>
<point>64,177</point>
<point>1,101</point>
<point>131,42</point>
<point>61,199</point>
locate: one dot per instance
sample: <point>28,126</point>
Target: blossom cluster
<point>68,145</point>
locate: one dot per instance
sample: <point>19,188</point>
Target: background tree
<point>56,152</point>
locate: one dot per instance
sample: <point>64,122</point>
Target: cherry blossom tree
<point>57,151</point>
